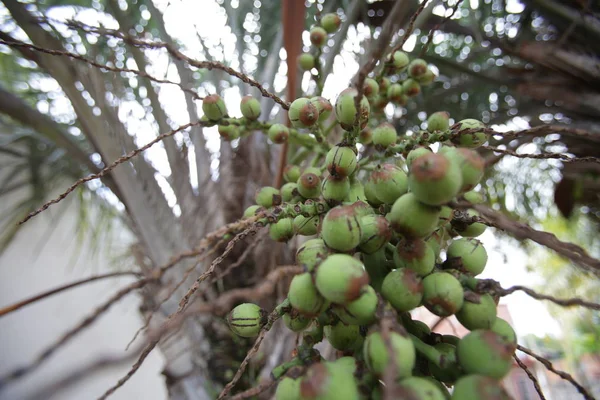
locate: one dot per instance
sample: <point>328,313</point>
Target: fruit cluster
<point>384,238</point>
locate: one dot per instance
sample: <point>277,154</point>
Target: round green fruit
<point>471,164</point>
<point>309,185</point>
<point>341,279</point>
<point>250,108</point>
<point>282,230</point>
<point>345,110</point>
<point>375,233</point>
<point>389,182</point>
<point>486,353</point>
<point>252,210</point>
<point>506,332</point>
<point>323,105</point>
<point>395,93</point>
<point>400,60</point>
<point>289,191</point>
<point>412,218</point>
<point>414,254</point>
<point>384,135</point>
<point>434,179</point>
<point>403,288</point>
<point>246,320</point>
<point>427,79</point>
<point>303,113</point>
<point>411,87</point>
<point>370,88</point>
<point>478,311</point>
<point>311,253</point>
<point>416,153</point>
<point>304,297</point>
<point>229,132</point>
<point>341,228</point>
<point>335,190</point>
<point>343,337</point>
<point>306,61</point>
<point>295,321</point>
<point>376,266</point>
<point>328,381</point>
<point>360,311</point>
<point>417,68</point>
<point>376,354</point>
<point>278,133</point>
<point>306,226</point>
<point>438,122</point>
<point>470,230</point>
<point>318,36</point>
<point>288,389</point>
<point>365,136</point>
<point>213,107</point>
<point>471,140</point>
<point>418,388</point>
<point>291,173</point>
<point>341,161</point>
<point>479,387</point>
<point>442,294</point>
<point>268,197</point>
<point>467,255</point>
<point>474,197</point>
<point>331,22</point>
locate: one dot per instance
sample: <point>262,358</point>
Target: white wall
<point>27,268</point>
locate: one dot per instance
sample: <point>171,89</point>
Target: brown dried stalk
<point>559,156</point>
<point>532,377</point>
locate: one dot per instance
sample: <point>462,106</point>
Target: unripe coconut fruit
<point>304,297</point>
<point>335,190</point>
<point>318,36</point>
<point>395,93</point>
<point>331,22</point>
<point>360,311</point>
<point>306,61</point>
<point>486,353</point>
<point>472,166</point>
<point>418,388</point>
<point>416,153</point>
<point>328,381</point>
<point>411,87</point>
<point>268,197</point>
<point>471,140</point>
<point>375,233</point>
<point>478,387</point>
<point>343,337</point>
<point>213,107</point>
<point>449,370</point>
<point>384,135</point>
<point>278,133</point>
<point>442,294</point>
<point>414,254</point>
<point>229,132</point>
<point>400,60</point>
<point>345,110</point>
<point>309,185</point>
<point>246,320</point>
<point>341,279</point>
<point>289,191</point>
<point>303,113</point>
<point>376,354</point>
<point>295,321</point>
<point>341,228</point>
<point>306,226</point>
<point>478,311</point>
<point>288,389</point>
<point>403,288</point>
<point>341,161</point>
<point>506,332</point>
<point>434,179</point>
<point>467,255</point>
<point>412,218</point>
<point>389,182</point>
<point>438,122</point>
<point>323,105</point>
<point>282,230</point>
<point>311,253</point>
<point>250,108</point>
<point>291,173</point>
<point>417,68</point>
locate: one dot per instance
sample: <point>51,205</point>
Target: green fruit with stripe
<point>335,190</point>
<point>375,233</point>
<point>250,108</point>
<point>389,182</point>
<point>306,226</point>
<point>246,320</point>
<point>303,113</point>
<point>341,229</point>
<point>213,107</point>
<point>360,311</point>
<point>346,112</point>
<point>341,161</point>
<point>311,253</point>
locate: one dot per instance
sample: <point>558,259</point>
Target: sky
<point>186,19</point>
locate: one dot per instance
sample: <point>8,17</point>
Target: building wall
<point>41,258</point>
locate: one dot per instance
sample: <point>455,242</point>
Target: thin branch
<point>410,28</point>
<point>566,376</point>
<point>532,377</point>
<point>255,391</point>
<point>16,306</point>
<point>559,156</point>
<point>435,28</point>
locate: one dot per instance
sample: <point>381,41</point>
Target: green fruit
<point>438,122</point>
<point>416,153</point>
<point>384,84</point>
<point>252,210</point>
<point>360,311</point>
<point>341,228</point>
<point>427,78</point>
<point>314,170</point>
<point>467,255</point>
<point>365,136</point>
<point>414,254</point>
<point>470,230</point>
<point>250,108</point>
<point>375,233</point>
<point>303,113</point>
<point>213,107</point>
<point>400,60</point>
<point>434,179</point>
<point>328,381</point>
<point>331,22</point>
<point>313,334</point>
<point>291,173</point>
<point>323,105</point>
<point>377,356</point>
<point>311,253</point>
<point>417,68</point>
<point>418,388</point>
<point>361,209</point>
<point>474,197</point>
<point>306,61</point>
<point>370,194</point>
<point>282,230</point>
<point>411,87</point>
<point>304,297</point>
<point>437,241</point>
<point>370,88</point>
<point>229,132</point>
<point>288,389</point>
<point>486,353</point>
<point>403,288</point>
<point>478,387</point>
<point>380,102</point>
<point>472,166</point>
<point>356,193</point>
<point>318,36</point>
<point>268,197</point>
<point>289,191</point>
<point>295,321</point>
<point>503,328</point>
<point>306,226</point>
<point>246,320</point>
<point>348,363</point>
<point>384,135</point>
<point>345,110</point>
<point>389,182</point>
<point>341,161</point>
<point>478,311</point>
<point>395,93</point>
<point>335,190</point>
<point>343,337</point>
<point>442,294</point>
<point>341,279</point>
<point>471,140</point>
<point>415,327</point>
<point>278,133</point>
<point>376,266</point>
<point>446,216</point>
<point>309,185</point>
<point>412,218</point>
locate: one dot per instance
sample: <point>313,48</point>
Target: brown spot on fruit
<point>499,346</point>
<point>410,249</point>
<point>356,286</point>
<point>442,306</point>
<point>309,181</point>
<point>314,382</point>
<point>412,281</point>
<point>430,167</point>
